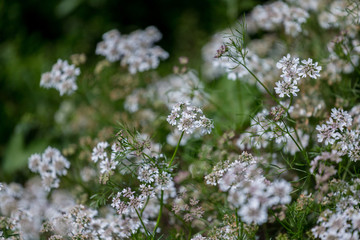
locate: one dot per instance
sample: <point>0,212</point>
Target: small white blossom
<point>107,165</point>
<point>309,69</point>
<point>280,192</point>
<point>286,87</point>
<point>327,134</point>
<point>342,118</point>
<point>62,77</point>
<point>99,151</point>
<point>50,165</point>
<point>188,119</point>
<point>135,50</point>
<point>287,62</point>
<point>253,212</point>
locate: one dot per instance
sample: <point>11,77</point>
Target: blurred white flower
<point>62,77</point>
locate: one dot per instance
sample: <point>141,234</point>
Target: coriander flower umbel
<point>287,62</point>
<point>293,72</point>
<point>309,69</point>
<point>136,50</point>
<point>188,118</point>
<point>62,77</point>
<point>50,165</point>
<point>286,87</point>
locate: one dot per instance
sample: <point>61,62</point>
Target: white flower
<point>67,86</point>
<point>135,50</point>
<point>236,197</point>
<point>309,69</point>
<point>147,173</point>
<point>342,118</point>
<point>280,191</point>
<point>49,181</point>
<point>49,165</point>
<point>61,164</point>
<point>292,28</point>
<point>34,162</point>
<point>286,87</point>
<point>62,77</point>
<point>107,165</point>
<point>120,206</point>
<point>188,119</point>
<point>326,133</point>
<point>253,212</point>
<point>99,151</point>
<point>198,237</point>
<point>287,62</point>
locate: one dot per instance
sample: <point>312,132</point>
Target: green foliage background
<point>34,34</point>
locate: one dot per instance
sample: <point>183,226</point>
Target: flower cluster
<point>344,221</point>
<point>50,165</point>
<point>188,118</point>
<point>107,165</point>
<point>134,202</point>
<point>338,134</point>
<point>228,230</point>
<point>133,153</point>
<point>292,72</point>
<point>266,127</point>
<point>190,211</point>
<point>29,208</point>
<point>273,15</point>
<point>62,77</point>
<point>152,182</point>
<point>135,50</point>
<point>150,174</point>
<point>248,190</point>
<point>323,170</point>
<point>244,197</point>
<point>81,222</point>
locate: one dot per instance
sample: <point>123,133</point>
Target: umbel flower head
<point>188,118</point>
<point>62,77</point>
<point>293,72</point>
<point>50,165</point>
<point>136,50</point>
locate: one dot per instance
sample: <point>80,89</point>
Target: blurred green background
<point>35,33</point>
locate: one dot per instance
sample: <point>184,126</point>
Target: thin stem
<point>346,169</point>
<point>296,143</point>
<point>189,235</point>
<point>142,223</point>
<point>177,146</point>
<point>266,89</point>
<point>162,191</point>
<point>239,230</point>
<point>159,216</point>
<point>146,203</point>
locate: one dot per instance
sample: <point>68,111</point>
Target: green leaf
<point>16,155</point>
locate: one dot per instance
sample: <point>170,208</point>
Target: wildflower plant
<point>183,164</point>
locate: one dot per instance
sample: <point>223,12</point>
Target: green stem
<point>266,89</point>
<point>189,235</point>
<point>296,143</point>
<point>239,230</point>
<point>142,223</point>
<point>146,203</point>
<point>346,169</point>
<point>162,191</point>
<point>159,216</point>
<point>177,146</point>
